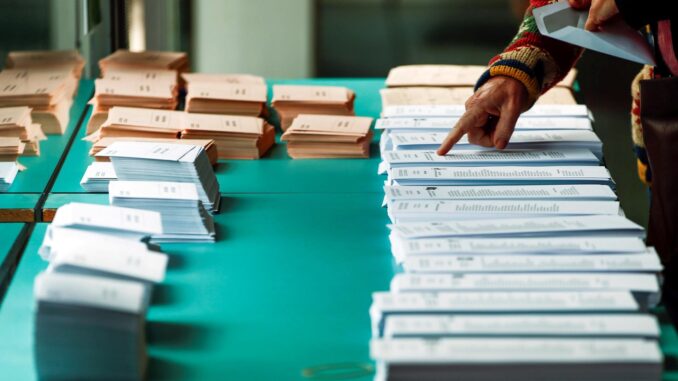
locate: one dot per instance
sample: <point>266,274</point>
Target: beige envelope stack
<point>234,79</point>
<point>16,122</point>
<point>219,97</point>
<point>207,144</point>
<point>126,60</point>
<point>328,136</point>
<point>236,137</point>
<point>131,122</point>
<point>452,85</point>
<point>46,59</point>
<point>11,149</point>
<point>150,88</point>
<point>48,92</point>
<point>290,101</point>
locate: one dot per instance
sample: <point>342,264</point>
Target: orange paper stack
<point>226,98</point>
<point>234,79</point>
<point>327,136</point>
<point>126,60</point>
<point>16,122</point>
<point>46,59</point>
<point>290,101</point>
<point>156,89</point>
<point>133,122</point>
<point>11,149</point>
<point>47,92</point>
<point>237,137</point>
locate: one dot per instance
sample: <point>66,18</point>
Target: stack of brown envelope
<point>16,122</point>
<point>46,59</point>
<point>208,144</point>
<point>124,59</point>
<point>327,136</point>
<point>237,137</point>
<point>11,149</point>
<point>290,101</point>
<point>140,123</point>
<point>226,98</point>
<point>447,76</point>
<point>47,92</point>
<point>234,79</point>
<point>157,92</point>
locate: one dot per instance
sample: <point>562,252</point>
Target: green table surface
<point>9,237</point>
<point>275,172</point>
<point>287,286</point>
<point>39,169</point>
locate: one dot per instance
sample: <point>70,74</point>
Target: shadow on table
<point>164,369</point>
<point>186,336</point>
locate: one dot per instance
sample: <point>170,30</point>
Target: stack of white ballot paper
<point>184,218</point>
<point>96,289</point>
<point>511,264</point>
<point>8,172</point>
<point>97,176</point>
<point>148,161</point>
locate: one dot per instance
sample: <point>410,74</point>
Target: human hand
<point>491,114</point>
<point>600,11</point>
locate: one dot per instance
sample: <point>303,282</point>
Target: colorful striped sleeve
<point>537,61</point>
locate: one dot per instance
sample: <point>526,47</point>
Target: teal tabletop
<point>274,173</point>
<point>286,289</point>
<point>10,248</point>
<point>39,169</point>
<point>18,207</point>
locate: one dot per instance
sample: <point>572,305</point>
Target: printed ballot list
<point>494,246</point>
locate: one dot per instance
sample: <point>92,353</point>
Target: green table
<point>286,287</point>
<point>18,207</point>
<point>275,173</point>
<point>12,235</point>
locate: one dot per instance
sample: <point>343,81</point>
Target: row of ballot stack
<point>176,180</point>
<point>92,300</point>
<point>515,264</point>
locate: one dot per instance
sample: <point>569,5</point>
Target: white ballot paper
<point>582,192</point>
<point>562,226</point>
<point>97,176</point>
<point>499,175</point>
<point>561,22</point>
<point>413,303</point>
<point>476,158</point>
<point>122,222</point>
<point>647,261</point>
<point>8,172</point>
<point>404,248</point>
<point>448,210</point>
<point>446,124</point>
<point>456,111</point>
<point>435,326</point>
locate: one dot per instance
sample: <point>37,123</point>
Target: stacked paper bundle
<point>8,172</point>
<point>97,176</point>
<point>234,79</point>
<point>132,122</point>
<point>132,89</point>
<point>169,162</point>
<point>327,136</point>
<point>96,289</point>
<point>236,137</point>
<point>448,76</point>
<point>184,219</point>
<point>48,92</point>
<point>11,149</point>
<point>139,61</point>
<point>290,101</point>
<point>220,97</point>
<point>516,262</point>
<point>46,59</point>
<point>17,122</point>
<point>207,144</point>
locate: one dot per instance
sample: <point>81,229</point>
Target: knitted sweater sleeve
<point>537,61</point>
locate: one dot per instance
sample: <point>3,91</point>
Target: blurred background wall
<point>328,38</point>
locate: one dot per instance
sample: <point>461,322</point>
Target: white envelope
<point>561,22</point>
